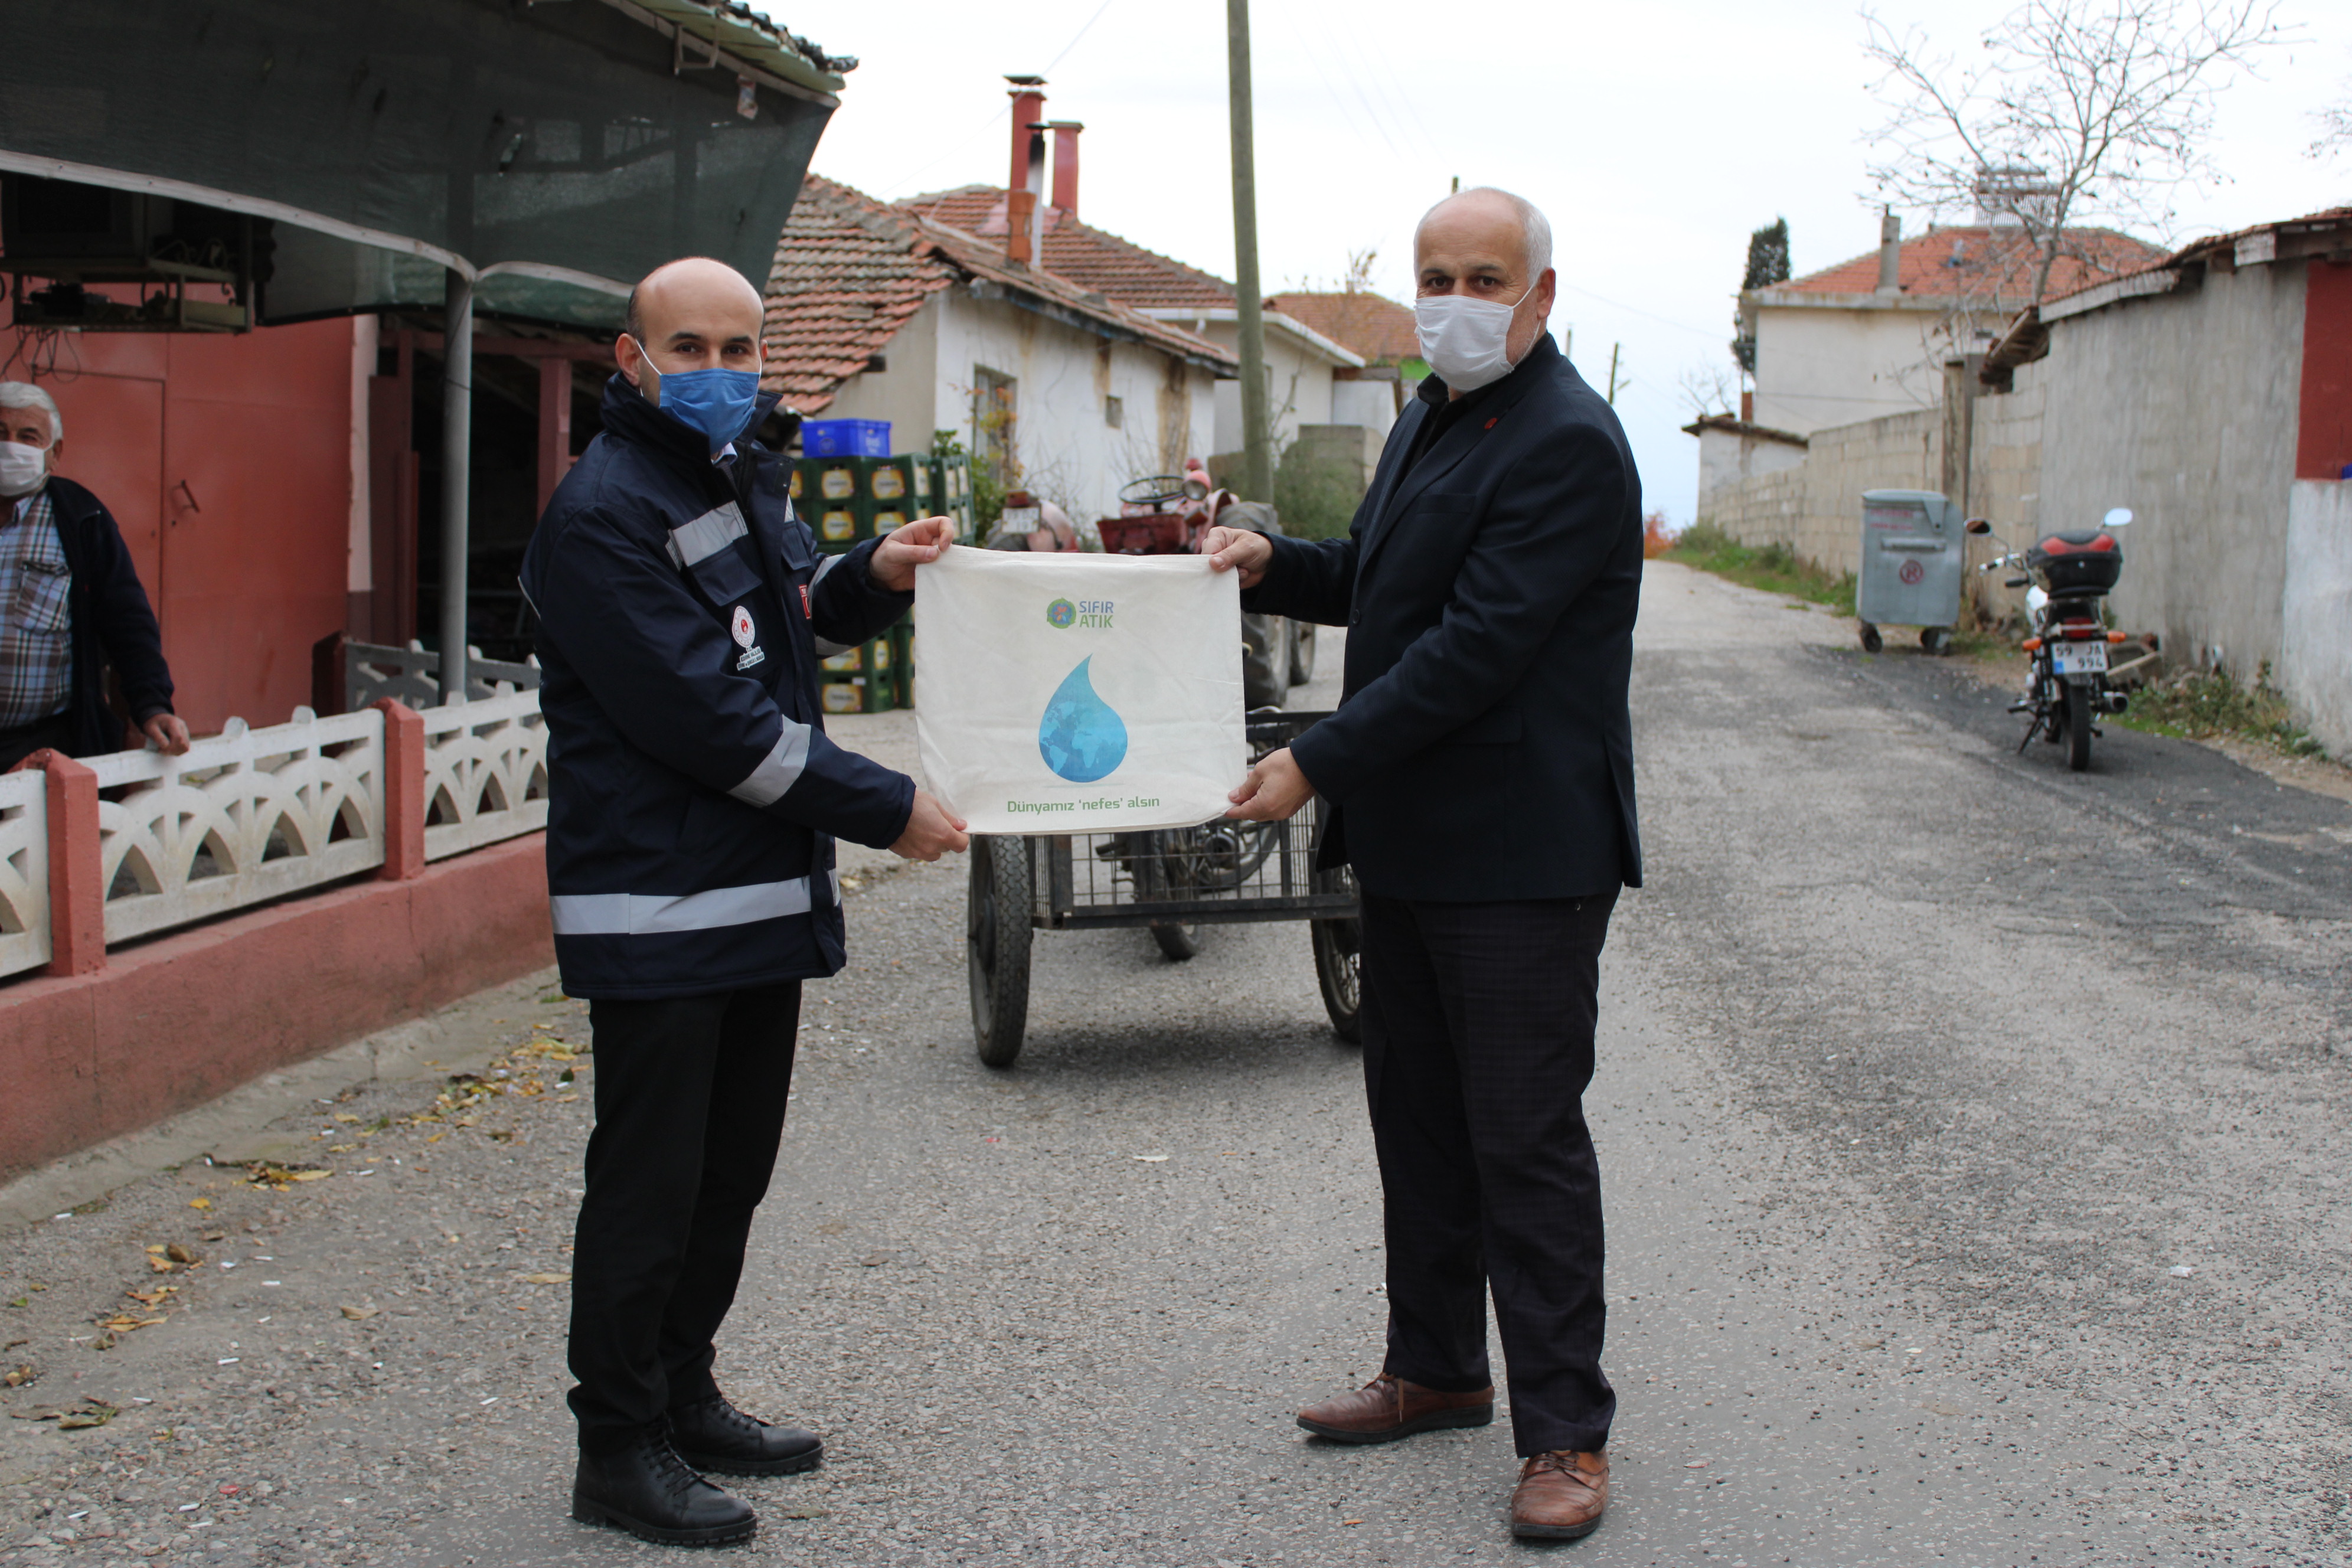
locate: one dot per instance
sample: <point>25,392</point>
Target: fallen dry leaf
<point>345,1116</point>
<point>309,1175</point>
<point>160,1264</point>
<point>93,1413</point>
<point>124,1324</point>
<point>200,1203</point>
<point>360,1314</point>
<point>154,1297</point>
<point>179,1252</point>
<point>21,1376</point>
<point>547,1278</point>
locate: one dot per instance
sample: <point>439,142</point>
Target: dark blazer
<point>113,623</point>
<point>1483,748</point>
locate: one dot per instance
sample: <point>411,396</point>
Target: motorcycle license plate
<point>2078,657</point>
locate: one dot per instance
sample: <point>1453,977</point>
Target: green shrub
<point>1772,567</point>
<point>1315,500</point>
<point>2200,704</point>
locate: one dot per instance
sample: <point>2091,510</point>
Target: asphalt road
<point>1926,1070</point>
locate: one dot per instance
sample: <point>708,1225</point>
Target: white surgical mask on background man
<point>1466,342</point>
<point>21,469</point>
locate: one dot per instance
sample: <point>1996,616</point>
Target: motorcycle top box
<point>2089,561</point>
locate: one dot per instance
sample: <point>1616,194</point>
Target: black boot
<point>646,1489</point>
<point>712,1434</point>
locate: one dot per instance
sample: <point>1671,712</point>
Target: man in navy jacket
<point>1478,775</point>
<point>694,799</point>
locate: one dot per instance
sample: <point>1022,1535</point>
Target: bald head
<point>1491,245</point>
<point>691,314</point>
<point>1487,214</point>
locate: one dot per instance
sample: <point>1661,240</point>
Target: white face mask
<point>1466,342</point>
<point>21,469</point>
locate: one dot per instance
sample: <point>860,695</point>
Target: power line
<point>972,135</point>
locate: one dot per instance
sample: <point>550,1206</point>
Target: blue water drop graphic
<point>1081,738</point>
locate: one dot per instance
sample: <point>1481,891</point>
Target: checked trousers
<point>690,1111</point>
<point>1478,1023</point>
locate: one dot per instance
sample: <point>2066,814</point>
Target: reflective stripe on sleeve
<point>647,914</point>
<point>823,566</point>
<point>707,535</point>
<point>778,771</point>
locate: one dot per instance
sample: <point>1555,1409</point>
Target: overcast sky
<point>1655,136</point>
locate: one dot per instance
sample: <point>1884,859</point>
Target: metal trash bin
<point>1913,566</point>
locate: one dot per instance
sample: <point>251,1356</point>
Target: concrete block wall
<point>1815,508</point>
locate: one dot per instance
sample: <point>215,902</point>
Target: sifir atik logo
<point>1088,614</point>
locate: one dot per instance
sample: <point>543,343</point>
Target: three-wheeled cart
<point>1170,881</point>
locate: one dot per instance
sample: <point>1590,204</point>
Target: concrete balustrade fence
<point>122,846</point>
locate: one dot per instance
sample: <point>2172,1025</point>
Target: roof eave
<point>1340,353</point>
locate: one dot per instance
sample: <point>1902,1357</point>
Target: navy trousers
<point>1478,1023</point>
<point>690,1111</point>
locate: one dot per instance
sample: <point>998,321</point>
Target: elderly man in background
<point>71,605</point>
<point>1479,776</point>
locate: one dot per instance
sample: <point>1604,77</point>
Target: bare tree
<point>2335,123</point>
<point>1708,388</point>
<point>2073,108</point>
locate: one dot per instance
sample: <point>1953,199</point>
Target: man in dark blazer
<point>1478,775</point>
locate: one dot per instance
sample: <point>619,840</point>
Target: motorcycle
<point>2066,576</point>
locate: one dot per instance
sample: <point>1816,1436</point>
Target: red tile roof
<point>850,271</point>
<point>849,274</point>
<point>1991,264</point>
<point>1371,325</point>
<point>1085,254</point>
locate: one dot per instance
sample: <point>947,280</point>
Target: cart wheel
<point>1336,970</point>
<point>1302,652</point>
<point>1871,641</point>
<point>1934,639</point>
<point>1266,661</point>
<point>996,946</point>
<point>1178,941</point>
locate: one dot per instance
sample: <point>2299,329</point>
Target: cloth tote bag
<point>1074,693</point>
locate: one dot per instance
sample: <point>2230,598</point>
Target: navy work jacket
<point>1483,749</point>
<point>694,797</point>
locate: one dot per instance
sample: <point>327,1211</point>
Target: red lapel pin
<point>1490,423</point>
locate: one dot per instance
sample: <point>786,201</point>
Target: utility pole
<point>1257,440</point>
<point>457,477</point>
<point>1615,385</point>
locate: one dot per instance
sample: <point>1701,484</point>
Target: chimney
<point>1020,225</point>
<point>1890,253</point>
<point>1065,165</point>
<point>1748,408</point>
<point>1025,184</point>
<point>1028,108</point>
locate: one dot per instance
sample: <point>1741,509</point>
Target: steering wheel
<point>1157,490</point>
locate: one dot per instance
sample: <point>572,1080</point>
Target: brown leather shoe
<point>1560,1496</point>
<point>1388,1407</point>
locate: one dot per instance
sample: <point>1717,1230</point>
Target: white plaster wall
<point>1068,452</point>
<point>2314,667</point>
<point>1819,366</point>
<point>1298,387</point>
<point>906,392</point>
<point>1726,458</point>
<point>2184,408</point>
<point>1370,404</point>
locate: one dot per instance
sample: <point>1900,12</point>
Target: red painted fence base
<point>172,1023</point>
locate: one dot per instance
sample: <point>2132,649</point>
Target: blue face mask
<point>717,402</point>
